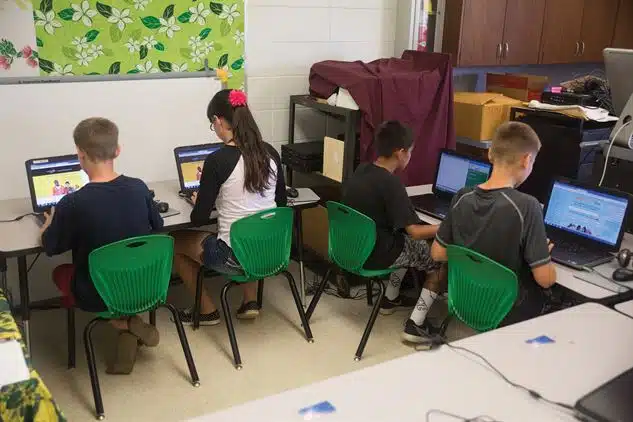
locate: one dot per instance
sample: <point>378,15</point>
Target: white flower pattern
<point>47,21</point>
<point>199,14</point>
<point>208,47</point>
<point>140,4</point>
<point>168,26</point>
<point>149,42</point>
<point>132,45</point>
<point>95,51</point>
<point>229,13</point>
<point>120,18</point>
<point>195,42</point>
<point>60,70</point>
<point>83,57</point>
<point>83,12</point>
<point>177,68</point>
<point>238,37</point>
<point>80,43</point>
<point>148,67</point>
<point>197,56</point>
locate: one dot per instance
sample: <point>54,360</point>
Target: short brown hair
<point>98,138</point>
<point>511,141</point>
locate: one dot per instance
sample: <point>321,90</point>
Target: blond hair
<point>511,141</point>
<point>98,138</point>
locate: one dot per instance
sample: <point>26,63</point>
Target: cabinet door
<point>560,41</point>
<point>482,32</point>
<point>522,34</point>
<point>598,25</point>
<point>623,37</point>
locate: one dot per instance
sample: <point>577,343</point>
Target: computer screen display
<point>455,173</point>
<point>54,178</point>
<point>594,215</point>
<point>191,162</point>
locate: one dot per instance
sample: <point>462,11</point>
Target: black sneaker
<point>388,307</point>
<point>418,334</point>
<point>248,310</point>
<point>186,317</point>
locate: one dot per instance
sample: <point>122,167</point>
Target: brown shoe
<point>124,355</point>
<point>146,333</point>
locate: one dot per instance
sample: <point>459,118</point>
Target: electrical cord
<point>18,218</point>
<point>480,418</point>
<point>594,271</point>
<point>606,158</point>
<point>28,270</point>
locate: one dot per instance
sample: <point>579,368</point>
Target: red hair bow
<point>237,98</point>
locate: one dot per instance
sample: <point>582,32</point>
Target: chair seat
<point>373,273</point>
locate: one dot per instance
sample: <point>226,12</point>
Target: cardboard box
<point>478,114</point>
<point>315,230</point>
<point>518,86</point>
<point>333,153</point>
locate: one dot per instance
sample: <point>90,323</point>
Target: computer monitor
<point>190,160</point>
<point>618,64</point>
<point>456,171</point>
<point>50,179</point>
<point>594,214</point>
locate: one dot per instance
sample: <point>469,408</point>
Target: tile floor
<point>275,354</point>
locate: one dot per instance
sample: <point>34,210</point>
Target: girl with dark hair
<point>240,179</point>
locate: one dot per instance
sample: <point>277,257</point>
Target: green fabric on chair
<point>352,237</point>
<point>132,275</point>
<point>261,243</point>
<point>481,291</point>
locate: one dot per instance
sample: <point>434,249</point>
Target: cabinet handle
<point>499,48</point>
<point>582,51</point>
<point>505,55</point>
<point>577,49</point>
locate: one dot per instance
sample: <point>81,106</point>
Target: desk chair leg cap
<point>100,417</point>
<point>238,367</point>
<point>356,358</point>
<point>310,340</point>
<point>196,384</point>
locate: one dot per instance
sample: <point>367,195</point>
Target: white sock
<point>395,280</point>
<point>425,301</point>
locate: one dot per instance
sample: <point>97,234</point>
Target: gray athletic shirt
<point>506,226</point>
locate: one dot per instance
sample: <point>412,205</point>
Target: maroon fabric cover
<point>416,90</point>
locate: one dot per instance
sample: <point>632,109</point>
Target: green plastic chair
<point>481,291</point>
<point>132,277</point>
<point>261,243</point>
<point>352,236</point>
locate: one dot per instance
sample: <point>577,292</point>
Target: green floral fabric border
<point>88,37</point>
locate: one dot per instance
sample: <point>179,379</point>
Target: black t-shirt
<point>95,215</point>
<point>381,196</point>
<point>506,226</point>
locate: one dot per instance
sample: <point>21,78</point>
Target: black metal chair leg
<point>237,360</point>
<point>195,380</point>
<point>260,293</point>
<point>370,323</point>
<point>70,320</point>
<point>317,294</point>
<point>445,324</point>
<point>197,299</point>
<point>295,294</point>
<point>370,293</point>
<point>92,367</point>
<point>152,317</point>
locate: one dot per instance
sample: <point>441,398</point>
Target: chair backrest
<point>481,291</point>
<point>261,242</point>
<point>132,275</point>
<point>352,236</point>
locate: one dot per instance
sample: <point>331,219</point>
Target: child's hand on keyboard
<point>550,245</point>
<point>194,196</point>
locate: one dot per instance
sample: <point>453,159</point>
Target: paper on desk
<point>595,113</point>
<point>12,364</point>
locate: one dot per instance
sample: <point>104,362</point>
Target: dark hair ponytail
<point>247,137</point>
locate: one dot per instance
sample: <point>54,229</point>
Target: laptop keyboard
<point>574,253</point>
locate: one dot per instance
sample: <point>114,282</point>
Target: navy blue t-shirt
<point>95,215</point>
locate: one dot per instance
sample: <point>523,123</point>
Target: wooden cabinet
<point>598,24</point>
<point>560,41</point>
<point>522,32</point>
<point>623,36</point>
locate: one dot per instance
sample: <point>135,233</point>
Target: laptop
<point>611,402</point>
<point>189,162</point>
<point>586,224</point>
<point>50,179</point>
<point>454,172</point>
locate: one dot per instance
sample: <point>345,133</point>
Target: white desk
<point>405,389</point>
<point>21,238</point>
<point>565,276</point>
<point>626,308</point>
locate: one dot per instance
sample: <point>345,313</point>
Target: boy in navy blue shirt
<point>110,208</point>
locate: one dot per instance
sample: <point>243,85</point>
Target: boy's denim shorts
<point>218,256</point>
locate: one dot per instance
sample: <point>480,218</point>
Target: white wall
<point>285,37</point>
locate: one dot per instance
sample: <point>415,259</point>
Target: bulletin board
<point>100,37</point>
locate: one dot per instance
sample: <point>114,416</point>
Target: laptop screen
<point>191,160</point>
<point>595,215</point>
<point>53,178</point>
<point>456,172</point>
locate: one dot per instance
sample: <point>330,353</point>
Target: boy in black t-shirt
<point>401,239</point>
<point>504,224</point>
<point>110,208</point>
